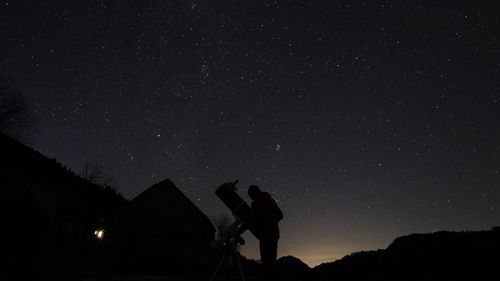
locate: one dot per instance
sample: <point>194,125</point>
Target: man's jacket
<point>265,217</point>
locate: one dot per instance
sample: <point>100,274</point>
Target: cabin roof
<point>171,204</point>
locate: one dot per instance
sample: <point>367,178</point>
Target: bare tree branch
<point>94,173</point>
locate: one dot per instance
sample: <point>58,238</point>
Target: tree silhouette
<point>94,173</point>
<point>222,225</point>
<point>225,230</point>
<point>15,117</point>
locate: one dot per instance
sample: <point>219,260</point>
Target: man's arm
<point>279,213</point>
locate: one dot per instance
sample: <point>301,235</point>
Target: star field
<point>365,120</point>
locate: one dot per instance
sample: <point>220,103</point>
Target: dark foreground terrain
<point>50,216</point>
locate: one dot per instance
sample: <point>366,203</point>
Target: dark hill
<point>292,268</point>
<point>436,256</point>
<point>50,212</point>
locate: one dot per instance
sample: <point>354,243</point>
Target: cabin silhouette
<point>50,215</point>
<point>161,231</point>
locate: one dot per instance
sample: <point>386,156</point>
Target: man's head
<point>253,191</point>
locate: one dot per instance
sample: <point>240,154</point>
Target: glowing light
<point>99,234</point>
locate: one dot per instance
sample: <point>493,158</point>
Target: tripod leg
<point>238,262</point>
<point>217,268</point>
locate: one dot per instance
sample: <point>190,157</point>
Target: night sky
<point>366,120</point>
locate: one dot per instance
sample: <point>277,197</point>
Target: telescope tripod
<point>227,255</point>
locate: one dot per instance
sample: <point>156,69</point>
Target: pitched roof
<point>166,200</point>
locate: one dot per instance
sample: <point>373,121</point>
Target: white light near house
<point>99,233</point>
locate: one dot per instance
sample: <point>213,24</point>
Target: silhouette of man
<point>265,217</point>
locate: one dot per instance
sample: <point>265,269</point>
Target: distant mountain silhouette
<point>472,255</point>
<point>292,268</point>
<point>287,268</point>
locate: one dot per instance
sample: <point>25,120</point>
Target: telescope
<point>243,215</point>
<point>240,209</point>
